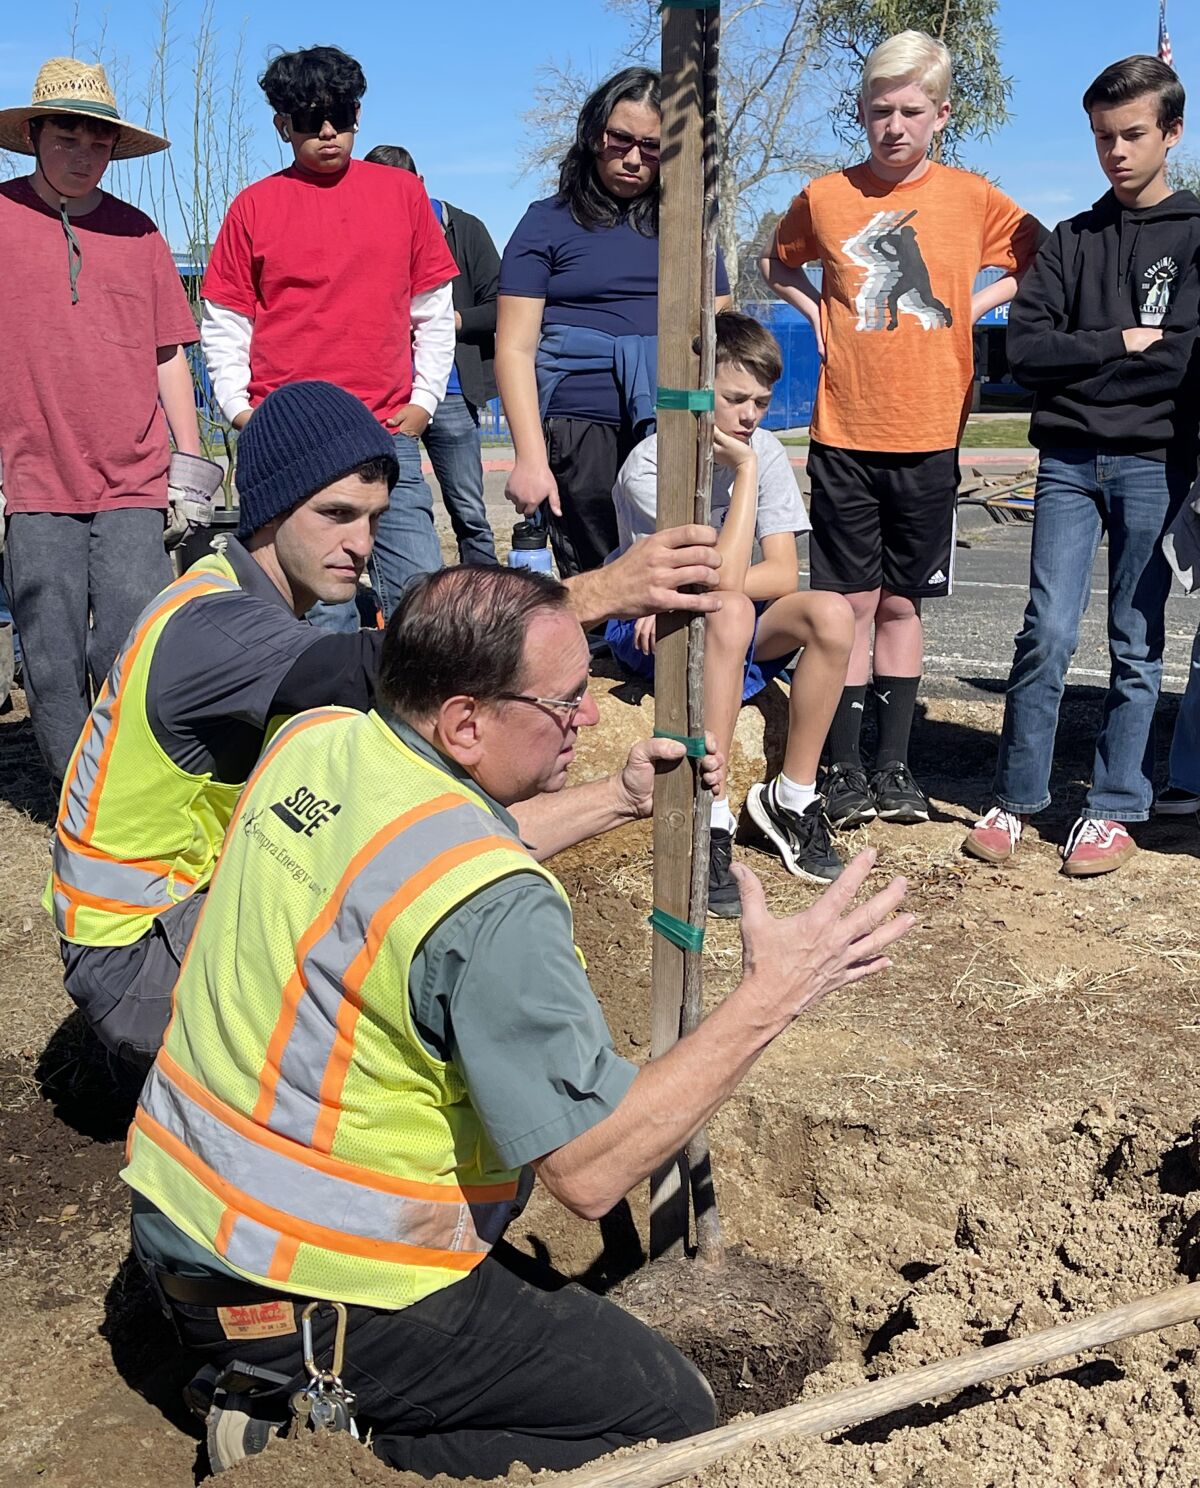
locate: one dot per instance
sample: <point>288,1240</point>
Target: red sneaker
<point>995,837</point>
<point>1095,846</point>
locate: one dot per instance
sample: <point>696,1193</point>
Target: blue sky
<point>452,80</point>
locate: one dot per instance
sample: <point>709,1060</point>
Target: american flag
<point>1165,54</point>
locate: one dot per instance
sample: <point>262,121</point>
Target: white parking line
<point>991,669</point>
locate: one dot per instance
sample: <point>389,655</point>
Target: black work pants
<point>584,459</point>
<point>512,1363</point>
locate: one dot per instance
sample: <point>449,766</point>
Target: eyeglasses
<point>621,142</point>
<point>342,113</point>
<point>568,707</point>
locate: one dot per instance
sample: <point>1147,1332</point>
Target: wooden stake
<point>662,1465</point>
<point>709,1246</point>
<point>680,187</point>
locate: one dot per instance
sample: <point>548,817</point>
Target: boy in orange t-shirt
<point>900,240</point>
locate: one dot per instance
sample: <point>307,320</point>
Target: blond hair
<point>909,57</point>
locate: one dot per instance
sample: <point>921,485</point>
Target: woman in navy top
<point>577,316</point>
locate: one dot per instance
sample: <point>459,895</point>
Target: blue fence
<point>796,391</point>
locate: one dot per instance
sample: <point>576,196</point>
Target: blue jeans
<point>452,441</point>
<point>1081,494</point>
<point>1184,768</point>
<point>405,543</point>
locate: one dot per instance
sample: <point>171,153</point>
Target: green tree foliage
<point>851,28</point>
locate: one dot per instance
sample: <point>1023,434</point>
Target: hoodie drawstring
<point>74,251</point>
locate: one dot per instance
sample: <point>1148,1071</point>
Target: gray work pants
<point>124,992</point>
<point>60,570</point>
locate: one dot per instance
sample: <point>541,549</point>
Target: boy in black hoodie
<point>1104,330</point>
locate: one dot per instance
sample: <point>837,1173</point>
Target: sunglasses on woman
<point>621,143</point>
<point>342,113</point>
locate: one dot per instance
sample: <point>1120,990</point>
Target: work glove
<point>192,483</point>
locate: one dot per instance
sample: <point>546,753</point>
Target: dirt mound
<point>997,1135</point>
<point>755,1330</point>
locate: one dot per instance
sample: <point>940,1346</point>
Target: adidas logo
<point>937,578</point>
<point>304,811</point>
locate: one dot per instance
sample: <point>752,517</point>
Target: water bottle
<point>530,546</point>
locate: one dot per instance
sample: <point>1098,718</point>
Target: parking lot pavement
<point>969,636</point>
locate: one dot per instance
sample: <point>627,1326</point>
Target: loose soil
<point>998,1134</point>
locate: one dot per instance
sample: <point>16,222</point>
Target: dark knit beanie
<point>300,439</point>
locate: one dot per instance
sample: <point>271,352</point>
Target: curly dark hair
<point>296,80</point>
<point>578,183</point>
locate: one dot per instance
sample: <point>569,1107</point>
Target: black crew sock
<point>895,703</point>
<point>846,727</point>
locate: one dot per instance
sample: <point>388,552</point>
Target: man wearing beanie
<point>180,722</point>
<point>215,660</point>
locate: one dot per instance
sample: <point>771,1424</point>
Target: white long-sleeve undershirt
<point>225,338</point>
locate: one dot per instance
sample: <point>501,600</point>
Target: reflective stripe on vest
<point>294,1195</point>
<point>294,1122</point>
<point>311,1046</point>
<point>119,888</point>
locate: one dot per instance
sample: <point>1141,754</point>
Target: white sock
<point>792,796</point>
<point>720,816</point>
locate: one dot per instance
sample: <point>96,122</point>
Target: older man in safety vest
<point>211,661</point>
<point>383,1020</point>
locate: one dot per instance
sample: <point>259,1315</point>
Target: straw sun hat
<point>66,86</point>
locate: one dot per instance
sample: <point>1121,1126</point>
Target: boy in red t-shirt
<point>337,270</point>
<point>900,240</point>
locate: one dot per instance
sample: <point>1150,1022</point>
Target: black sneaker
<point>723,897</point>
<point>848,799</point>
<point>1176,800</point>
<point>800,837</point>
<point>898,797</point>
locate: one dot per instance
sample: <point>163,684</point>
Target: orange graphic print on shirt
<point>900,261</point>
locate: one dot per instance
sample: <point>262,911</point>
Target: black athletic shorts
<point>882,521</point>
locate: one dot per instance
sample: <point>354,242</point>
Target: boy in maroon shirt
<point>93,372</point>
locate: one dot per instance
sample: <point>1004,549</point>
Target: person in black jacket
<point>1104,331</point>
<point>452,435</point>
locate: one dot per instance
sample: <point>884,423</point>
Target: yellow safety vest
<point>294,1123</point>
<point>135,833</point>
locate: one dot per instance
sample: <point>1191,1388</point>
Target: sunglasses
<point>621,143</point>
<point>342,113</point>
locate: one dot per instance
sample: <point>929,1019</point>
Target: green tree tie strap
<point>696,746</point>
<point>678,932</point>
<point>691,400</point>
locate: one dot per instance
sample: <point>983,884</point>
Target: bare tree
<point>789,72</point>
<point>767,120</point>
<point>1183,173</point>
<point>195,94</point>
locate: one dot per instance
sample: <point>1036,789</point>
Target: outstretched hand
<point>650,756</point>
<point>790,964</point>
